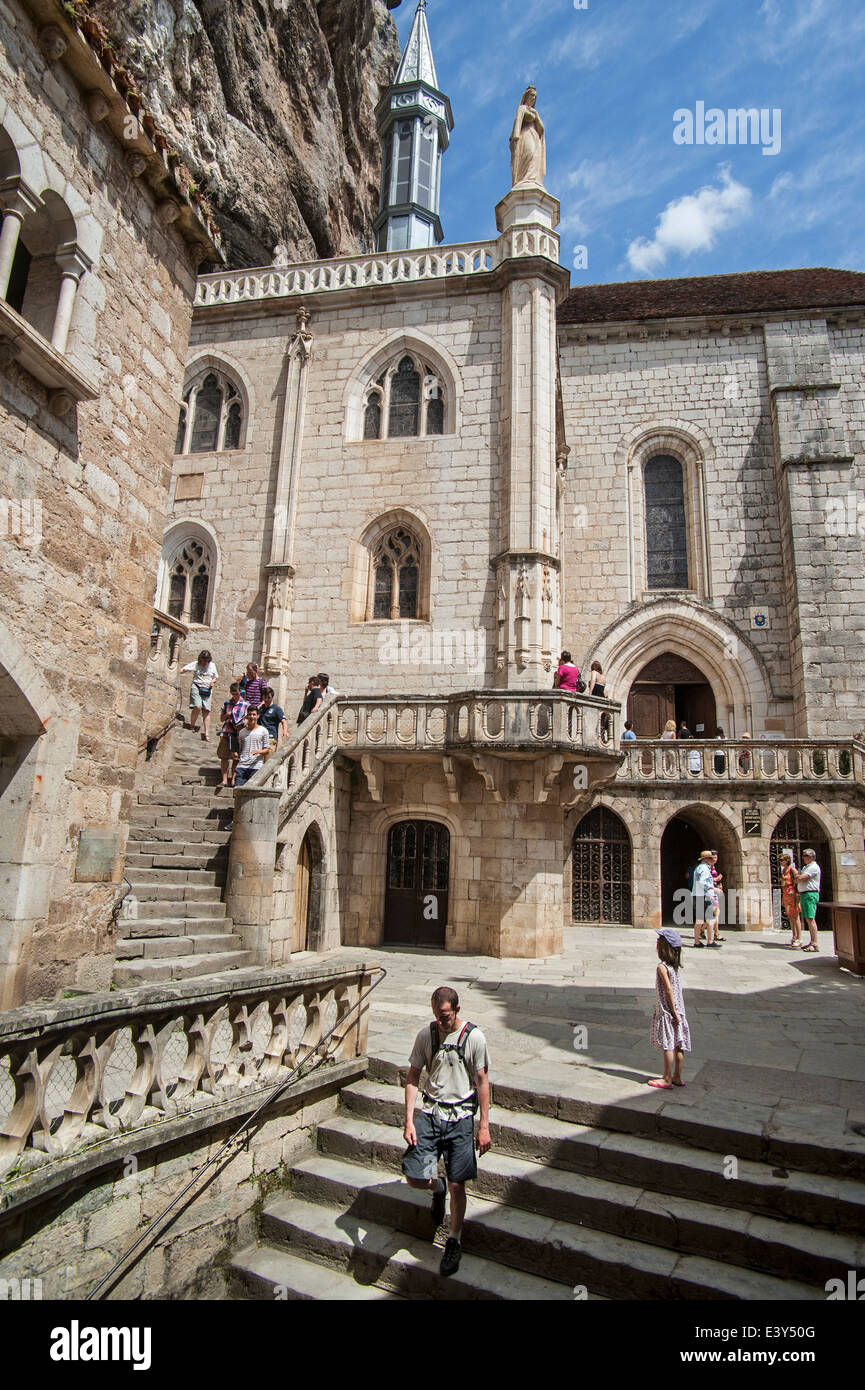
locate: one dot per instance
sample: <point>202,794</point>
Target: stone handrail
<point>298,761</point>
<point>743,760</point>
<point>372,271</point>
<point>76,1073</point>
<point>491,721</point>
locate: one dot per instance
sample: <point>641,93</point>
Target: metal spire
<point>417,61</point>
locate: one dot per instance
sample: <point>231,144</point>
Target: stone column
<point>821,542</point>
<point>527,566</point>
<point>280,570</point>
<point>73,263</point>
<point>249,890</point>
<point>17,201</point>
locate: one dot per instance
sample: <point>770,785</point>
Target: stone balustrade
<point>380,269</point>
<point>167,637</point>
<point>487,721</point>
<point>79,1072</point>
<point>743,761</point>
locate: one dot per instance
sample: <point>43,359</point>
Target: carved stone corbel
<point>452,777</point>
<point>493,771</point>
<point>373,771</point>
<point>546,773</point>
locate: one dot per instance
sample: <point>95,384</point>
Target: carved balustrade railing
<point>744,761</point>
<point>348,272</point>
<point>491,721</point>
<point>80,1072</point>
<point>300,760</point>
<point>167,636</point>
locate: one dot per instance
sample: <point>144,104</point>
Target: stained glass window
<point>396,562</point>
<point>404,401</point>
<point>666,534</point>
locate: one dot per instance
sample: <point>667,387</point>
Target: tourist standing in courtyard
<point>205,676</point>
<point>790,896</point>
<point>809,895</point>
<point>670,1030</point>
<point>454,1056</point>
<point>705,900</point>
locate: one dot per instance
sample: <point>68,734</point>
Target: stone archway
<point>308,893</point>
<point>727,659</point>
<point>690,830</point>
<point>601,869</point>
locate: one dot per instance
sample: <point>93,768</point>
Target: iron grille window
<point>601,869</point>
<point>666,533</point>
<point>798,831</point>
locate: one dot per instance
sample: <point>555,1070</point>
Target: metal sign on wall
<point>752,822</point>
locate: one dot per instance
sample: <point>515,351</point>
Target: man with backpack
<point>454,1056</point>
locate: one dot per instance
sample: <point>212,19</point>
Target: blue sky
<point>610,77</point>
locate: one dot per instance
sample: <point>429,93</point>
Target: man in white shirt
<point>254,748</point>
<point>809,895</point>
<point>454,1056</point>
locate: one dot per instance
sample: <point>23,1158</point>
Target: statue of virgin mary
<point>528,144</point>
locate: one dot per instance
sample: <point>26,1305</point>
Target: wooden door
<point>300,934</point>
<point>416,897</point>
<point>649,708</point>
<point>699,705</point>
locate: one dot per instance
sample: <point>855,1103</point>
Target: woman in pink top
<point>567,675</point>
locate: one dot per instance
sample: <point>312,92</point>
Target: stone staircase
<point>176,863</point>
<point>559,1210</point>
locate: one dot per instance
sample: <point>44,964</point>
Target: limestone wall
<point>77,603</point>
<point>448,484</point>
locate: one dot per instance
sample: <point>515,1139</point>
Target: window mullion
<point>190,414</point>
<point>394,601</point>
<point>223,419</point>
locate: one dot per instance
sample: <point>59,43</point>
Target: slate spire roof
<point>417,61</point>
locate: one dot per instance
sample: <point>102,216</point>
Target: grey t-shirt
<point>446,1079</point>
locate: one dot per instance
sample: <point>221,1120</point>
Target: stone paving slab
<point>776,1037</point>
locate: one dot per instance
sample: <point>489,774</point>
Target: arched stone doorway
<point>308,894</point>
<point>670,687</point>
<point>797,830</point>
<point>687,833</point>
<point>601,869</point>
<point>418,876</point>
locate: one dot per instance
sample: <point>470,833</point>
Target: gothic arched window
<point>396,562</point>
<point>187,582</point>
<point>211,415</point>
<point>666,528</point>
<point>406,401</point>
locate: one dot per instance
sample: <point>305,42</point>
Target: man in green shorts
<point>809,894</point>
<point>454,1056</point>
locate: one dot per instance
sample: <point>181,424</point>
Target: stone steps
<point>176,863</point>
<point>397,1263</point>
<point>262,1271</point>
<point>776,1247</point>
<point>169,947</point>
<point>142,971</point>
<point>662,1164</point>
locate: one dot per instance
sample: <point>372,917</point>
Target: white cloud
<point>691,224</point>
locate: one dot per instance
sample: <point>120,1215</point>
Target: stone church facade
<point>447,466</point>
<point>426,471</point>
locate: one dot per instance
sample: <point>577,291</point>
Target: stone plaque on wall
<point>189,486</point>
<point>97,856</point>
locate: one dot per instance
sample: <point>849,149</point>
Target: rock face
<point>271,103</point>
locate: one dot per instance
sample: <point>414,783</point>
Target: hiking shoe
<point>451,1257</point>
<point>439,1201</point>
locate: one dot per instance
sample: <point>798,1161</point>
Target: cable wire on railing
<point>149,1233</point>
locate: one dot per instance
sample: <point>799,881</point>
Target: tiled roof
<point>755,292</point>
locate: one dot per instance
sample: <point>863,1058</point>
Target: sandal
<point>678,1083</point>
<point>814,949</point>
<point>661,1085</point>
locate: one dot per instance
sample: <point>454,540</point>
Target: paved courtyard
<point>778,1042</point>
